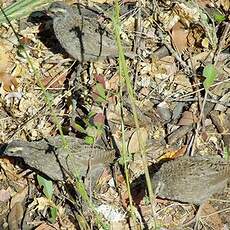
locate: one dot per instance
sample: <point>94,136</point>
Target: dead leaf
<point>99,119</point>
<point>179,36</point>
<point>113,83</point>
<point>163,111</point>
<point>4,57</point>
<point>222,123</point>
<point>133,146</point>
<point>172,154</point>
<point>203,3</point>
<point>225,4</point>
<point>4,195</point>
<point>187,12</point>
<point>54,82</point>
<point>45,226</point>
<point>7,79</point>
<point>100,79</point>
<point>15,216</point>
<point>19,197</point>
<point>167,65</point>
<point>182,82</point>
<point>213,218</point>
<point>9,82</point>
<point>42,203</point>
<point>188,118</point>
<point>196,36</point>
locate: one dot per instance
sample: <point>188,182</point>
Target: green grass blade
<point>22,8</point>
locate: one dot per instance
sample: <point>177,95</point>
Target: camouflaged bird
<point>79,33</point>
<point>49,157</point>
<point>191,179</point>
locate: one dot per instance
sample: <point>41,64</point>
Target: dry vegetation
<point>178,103</point>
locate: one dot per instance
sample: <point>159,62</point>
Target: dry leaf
<point>19,197</point>
<point>187,12</point>
<point>99,119</point>
<point>183,83</point>
<point>9,82</point>
<point>15,216</point>
<point>203,3</point>
<point>4,57</point>
<point>45,226</point>
<point>179,36</point>
<point>195,37</point>
<point>213,218</point>
<point>113,83</point>
<point>133,146</point>
<point>56,82</point>
<point>100,79</point>
<point>42,203</point>
<point>4,195</point>
<point>172,154</point>
<point>188,118</point>
<point>167,65</point>
<point>163,111</point>
<point>225,4</point>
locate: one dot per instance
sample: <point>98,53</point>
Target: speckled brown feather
<point>191,179</point>
<point>79,35</point>
<point>49,157</point>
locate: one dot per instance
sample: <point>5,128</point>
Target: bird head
<point>59,9</point>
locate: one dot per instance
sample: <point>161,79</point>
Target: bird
<point>80,34</point>
<point>191,179</point>
<point>49,157</point>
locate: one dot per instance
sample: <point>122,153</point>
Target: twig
<point>137,41</point>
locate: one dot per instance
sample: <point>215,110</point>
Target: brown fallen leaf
<point>4,195</point>
<point>212,217</point>
<point>7,79</point>
<point>19,196</point>
<point>9,82</point>
<point>172,154</point>
<point>195,37</point>
<point>222,123</point>
<point>179,36</point>
<point>99,119</point>
<point>17,209</point>
<point>15,216</point>
<point>225,4</point>
<point>4,57</point>
<point>133,146</point>
<point>188,118</point>
<point>45,226</point>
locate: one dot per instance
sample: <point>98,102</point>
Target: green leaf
<point>101,93</point>
<point>89,140</point>
<point>91,114</point>
<point>22,8</point>
<point>218,17</point>
<point>47,186</point>
<point>79,128</point>
<point>210,73</point>
<point>226,153</point>
<point>53,213</point>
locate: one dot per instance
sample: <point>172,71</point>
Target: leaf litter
<point>169,89</point>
